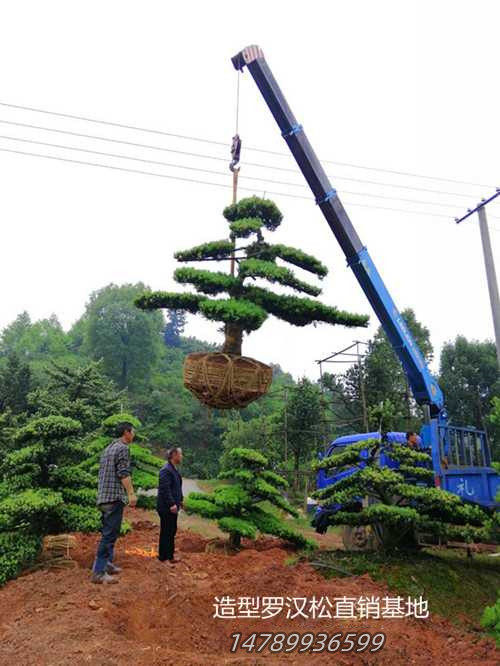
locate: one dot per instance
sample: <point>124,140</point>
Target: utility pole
<point>362,388</point>
<point>489,264</point>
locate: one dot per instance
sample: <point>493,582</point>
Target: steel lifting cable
<point>235,159</point>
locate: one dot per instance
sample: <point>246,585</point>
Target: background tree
<point>384,374</point>
<point>82,392</point>
<point>15,384</point>
<point>247,305</point>
<point>34,343</point>
<point>304,423</point>
<point>176,323</point>
<point>470,380</point>
<point>344,401</point>
<point>126,339</point>
<point>399,501</point>
<point>238,508</point>
<point>13,334</point>
<point>262,433</point>
<point>381,377</point>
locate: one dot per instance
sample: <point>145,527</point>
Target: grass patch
<point>457,588</point>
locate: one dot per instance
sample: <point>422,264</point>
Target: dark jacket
<point>169,488</point>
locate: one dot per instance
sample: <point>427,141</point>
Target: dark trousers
<point>168,528</point>
<point>111,515</point>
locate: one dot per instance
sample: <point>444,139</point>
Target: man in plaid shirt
<point>115,484</point>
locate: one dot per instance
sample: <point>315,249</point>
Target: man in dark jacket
<point>169,502</point>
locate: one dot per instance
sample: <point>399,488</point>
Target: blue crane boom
<point>424,387</point>
<point>461,460</point>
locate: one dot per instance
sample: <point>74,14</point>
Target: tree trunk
<point>234,540</point>
<point>233,339</point>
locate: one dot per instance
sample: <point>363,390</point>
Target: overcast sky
<point>402,86</point>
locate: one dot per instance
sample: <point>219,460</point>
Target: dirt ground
<point>160,615</point>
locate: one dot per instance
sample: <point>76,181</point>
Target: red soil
<point>161,615</point>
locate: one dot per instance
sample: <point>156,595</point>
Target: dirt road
<point>159,615</point>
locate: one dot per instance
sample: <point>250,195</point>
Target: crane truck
<point>461,459</point>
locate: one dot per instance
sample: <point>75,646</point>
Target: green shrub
<point>109,424</point>
<point>76,518</point>
<point>491,620</point>
<point>146,502</point>
<point>141,456</point>
<point>35,509</point>
<point>125,528</point>
<point>239,526</point>
<point>17,550</point>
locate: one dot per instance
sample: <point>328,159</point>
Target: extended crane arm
<point>424,387</point>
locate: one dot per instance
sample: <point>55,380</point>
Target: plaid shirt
<point>114,466</point>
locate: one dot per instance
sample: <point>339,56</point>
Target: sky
<point>396,86</point>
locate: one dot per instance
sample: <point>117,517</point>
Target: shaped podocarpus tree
<point>237,508</point>
<point>398,502</point>
<point>246,305</point>
<point>47,487</point>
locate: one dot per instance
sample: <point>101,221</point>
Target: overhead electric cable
<point>222,143</point>
<point>192,180</point>
<point>210,171</point>
<point>222,159</point>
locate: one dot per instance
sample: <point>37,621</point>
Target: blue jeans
<point>112,514</point>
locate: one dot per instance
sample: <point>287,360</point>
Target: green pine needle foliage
<point>233,311</point>
<point>170,300</point>
<point>301,311</point>
<point>238,506</point>
<point>245,227</point>
<point>401,501</point>
<point>215,250</point>
<point>253,207</point>
<point>246,307</point>
<point>490,620</point>
<point>208,282</point>
<point>258,268</point>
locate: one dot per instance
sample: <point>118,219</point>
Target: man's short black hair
<point>123,427</point>
<point>172,451</point>
<point>409,434</point>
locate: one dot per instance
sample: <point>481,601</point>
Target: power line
<point>247,189</point>
<point>221,143</point>
<point>210,171</point>
<point>202,182</point>
<point>223,159</point>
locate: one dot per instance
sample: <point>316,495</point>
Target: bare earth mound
<point>157,615</point>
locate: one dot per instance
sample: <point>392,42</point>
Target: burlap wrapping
<point>225,381</point>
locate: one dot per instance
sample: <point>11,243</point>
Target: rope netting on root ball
<point>226,381</point>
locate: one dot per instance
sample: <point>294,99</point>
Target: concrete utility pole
<point>489,264</point>
<point>491,276</point>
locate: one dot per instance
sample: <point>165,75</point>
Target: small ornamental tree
<point>246,306</point>
<point>400,503</point>
<point>237,508</point>
<point>47,487</point>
